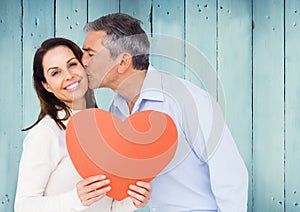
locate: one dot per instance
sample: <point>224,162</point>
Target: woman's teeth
<point>74,85</point>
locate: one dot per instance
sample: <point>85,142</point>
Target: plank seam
<point>284,106</point>
<point>252,104</point>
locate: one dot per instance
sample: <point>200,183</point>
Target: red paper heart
<point>138,148</point>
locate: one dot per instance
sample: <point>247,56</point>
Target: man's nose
<point>85,59</point>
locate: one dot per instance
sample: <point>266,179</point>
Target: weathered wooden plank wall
<point>292,103</point>
<point>268,105</point>
<point>235,74</point>
<point>245,52</point>
<point>10,99</point>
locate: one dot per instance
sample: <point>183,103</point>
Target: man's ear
<point>47,87</point>
<point>125,63</point>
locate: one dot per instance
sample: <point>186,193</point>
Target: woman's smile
<point>73,86</point>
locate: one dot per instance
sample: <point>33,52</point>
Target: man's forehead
<point>95,35</point>
<point>93,40</point>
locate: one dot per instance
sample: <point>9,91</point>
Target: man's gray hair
<point>124,34</point>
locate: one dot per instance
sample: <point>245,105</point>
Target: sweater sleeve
<point>39,159</point>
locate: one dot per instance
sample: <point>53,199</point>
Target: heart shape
<point>138,148</point>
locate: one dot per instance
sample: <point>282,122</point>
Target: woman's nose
<point>68,74</point>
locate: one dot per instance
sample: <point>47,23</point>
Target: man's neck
<point>77,105</point>
<point>131,86</point>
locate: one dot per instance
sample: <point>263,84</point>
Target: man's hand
<point>140,193</point>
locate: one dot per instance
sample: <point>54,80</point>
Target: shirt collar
<point>152,88</point>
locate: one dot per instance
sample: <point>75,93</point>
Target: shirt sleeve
<point>39,159</point>
<point>125,205</point>
<point>229,177</point>
<point>215,146</point>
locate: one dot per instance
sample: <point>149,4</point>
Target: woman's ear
<point>125,63</point>
<point>46,86</point>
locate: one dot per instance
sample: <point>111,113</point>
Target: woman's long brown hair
<point>50,105</point>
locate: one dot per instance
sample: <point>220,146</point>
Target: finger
<point>84,187</point>
<point>90,180</point>
<point>137,196</point>
<point>87,190</point>
<point>96,185</point>
<point>86,198</point>
<point>137,203</point>
<point>139,190</point>
<point>92,200</point>
<point>98,192</point>
<point>144,185</point>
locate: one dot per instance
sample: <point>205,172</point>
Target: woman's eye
<point>73,64</point>
<point>54,73</point>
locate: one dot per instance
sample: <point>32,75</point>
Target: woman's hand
<point>92,189</point>
<point>140,193</point>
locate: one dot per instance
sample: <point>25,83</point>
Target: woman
<point>47,179</point>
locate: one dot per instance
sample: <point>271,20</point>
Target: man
<point>207,172</point>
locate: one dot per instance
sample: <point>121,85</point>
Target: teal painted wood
<point>268,106</point>
<point>20,105</point>
<point>71,17</point>
<point>168,36</point>
<point>38,25</point>
<point>201,44</point>
<point>235,75</point>
<point>10,99</point>
<point>292,105</point>
<point>96,9</point>
<point>201,26</point>
<point>140,9</point>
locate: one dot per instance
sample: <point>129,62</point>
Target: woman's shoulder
<point>46,128</point>
<point>44,140</point>
<point>48,123</point>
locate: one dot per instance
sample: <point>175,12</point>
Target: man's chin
<point>92,87</point>
<point>92,84</point>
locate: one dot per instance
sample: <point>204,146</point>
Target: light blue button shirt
<point>207,172</point>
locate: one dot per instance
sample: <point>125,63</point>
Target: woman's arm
<point>39,160</point>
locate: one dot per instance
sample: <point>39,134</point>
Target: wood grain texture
<point>268,105</point>
<point>37,27</point>
<point>168,36</point>
<point>253,70</point>
<point>292,104</point>
<point>70,18</point>
<point>235,74</point>
<point>201,44</point>
<point>10,99</point>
